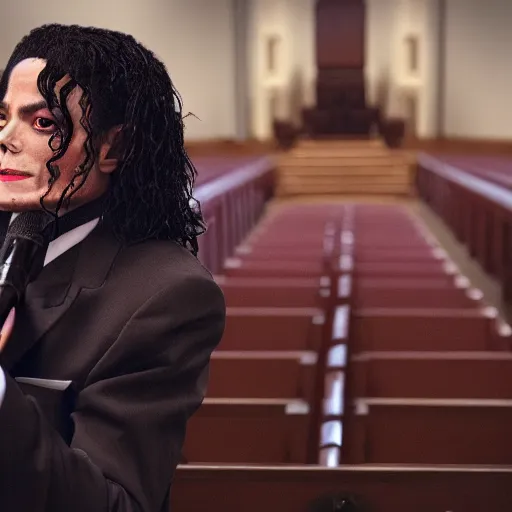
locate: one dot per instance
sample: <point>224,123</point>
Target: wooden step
<point>324,191</point>
<point>352,188</point>
<point>343,174</point>
<point>342,171</point>
<point>347,188</point>
<point>344,167</point>
<point>333,161</point>
<point>343,153</point>
<point>316,143</point>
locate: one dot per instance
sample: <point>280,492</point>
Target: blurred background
<point>239,64</point>
<point>355,170</point>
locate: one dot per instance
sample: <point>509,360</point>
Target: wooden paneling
<point>340,28</point>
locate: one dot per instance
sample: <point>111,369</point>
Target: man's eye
<point>3,120</point>
<point>42,123</point>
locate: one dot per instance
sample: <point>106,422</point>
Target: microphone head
<point>31,225</point>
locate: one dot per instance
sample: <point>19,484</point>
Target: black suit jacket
<point>133,328</point>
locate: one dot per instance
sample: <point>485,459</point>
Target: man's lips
<point>13,175</point>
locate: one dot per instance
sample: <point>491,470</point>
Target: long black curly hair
<point>124,84</point>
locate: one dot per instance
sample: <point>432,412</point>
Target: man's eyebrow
<point>27,109</point>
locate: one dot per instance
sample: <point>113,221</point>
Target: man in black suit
<point>91,130</point>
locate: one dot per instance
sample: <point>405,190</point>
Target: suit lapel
<point>48,297</point>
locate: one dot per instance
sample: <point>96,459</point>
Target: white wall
<point>194,38</point>
<point>242,68</point>
<point>418,19</point>
<point>389,24</point>
<point>380,18</point>
<point>478,70</point>
<point>429,123</point>
<point>476,93</point>
<point>303,30</point>
<point>197,41</point>
<point>293,84</point>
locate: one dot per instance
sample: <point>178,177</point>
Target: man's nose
<point>9,141</point>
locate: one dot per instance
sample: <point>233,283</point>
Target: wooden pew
<point>280,232</point>
<point>381,238</point>
<point>276,239</point>
<point>428,269</point>
<point>273,292</point>
<point>395,269</point>
<point>264,431</point>
<point>464,375</point>
<point>386,329</point>
<point>296,252</point>
<point>367,255</point>
<point>477,210</point>
<point>429,431</point>
<point>281,236</point>
<point>379,488</point>
<point>231,205</point>
<point>411,292</point>
<point>272,329</point>
<point>262,375</point>
<point>238,267</point>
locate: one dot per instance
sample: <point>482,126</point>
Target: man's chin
<point>21,202</point>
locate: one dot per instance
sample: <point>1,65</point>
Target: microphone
<point>22,256</point>
<point>25,245</point>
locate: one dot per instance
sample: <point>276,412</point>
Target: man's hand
<point>7,329</point>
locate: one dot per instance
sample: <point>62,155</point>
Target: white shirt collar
<point>69,239</point>
<point>64,242</point>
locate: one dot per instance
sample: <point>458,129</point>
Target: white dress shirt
<point>57,247</point>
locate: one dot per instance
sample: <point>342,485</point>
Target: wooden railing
<point>231,206</point>
<point>478,212</point>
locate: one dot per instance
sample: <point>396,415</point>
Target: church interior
<point>354,164</point>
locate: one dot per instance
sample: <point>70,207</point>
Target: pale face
<point>26,126</point>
